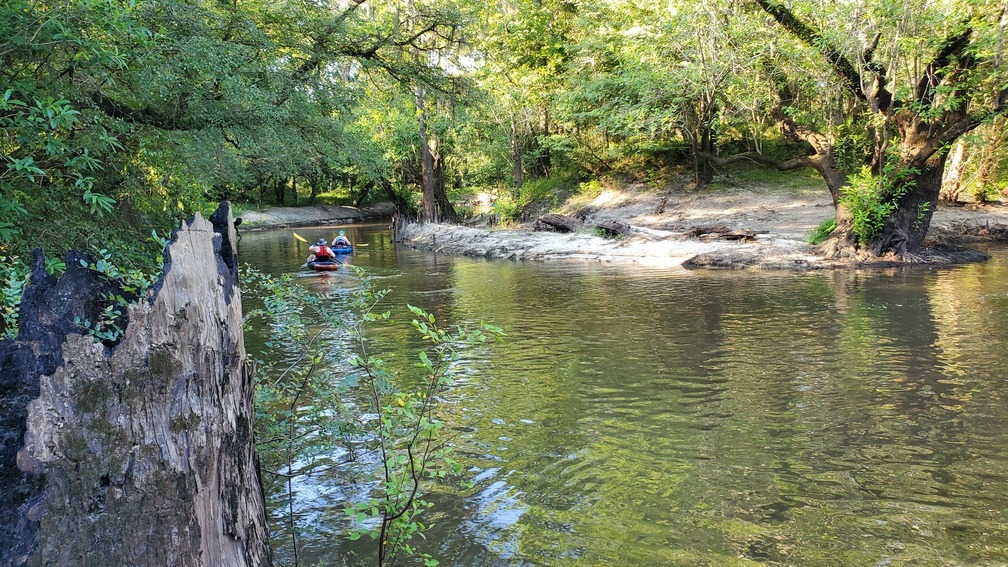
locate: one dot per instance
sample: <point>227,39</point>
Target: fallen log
<point>723,232</point>
<point>699,231</point>
<point>557,223</point>
<point>142,453</point>
<point>740,234</point>
<point>612,229</point>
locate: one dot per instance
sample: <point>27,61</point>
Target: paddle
<point>299,237</point>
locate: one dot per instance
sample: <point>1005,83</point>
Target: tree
<point>919,112</point>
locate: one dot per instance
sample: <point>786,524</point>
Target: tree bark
<point>426,161</point>
<point>143,454</point>
<point>952,181</point>
<point>445,210</point>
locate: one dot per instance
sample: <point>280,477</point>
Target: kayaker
<point>321,252</point>
<point>341,241</point>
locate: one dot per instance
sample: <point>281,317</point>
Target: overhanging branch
<point>849,75</point>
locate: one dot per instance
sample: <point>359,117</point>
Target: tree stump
<point>143,454</point>
<point>557,223</point>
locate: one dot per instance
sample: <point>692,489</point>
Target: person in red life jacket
<point>321,252</point>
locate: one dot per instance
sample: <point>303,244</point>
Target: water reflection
<point>655,417</point>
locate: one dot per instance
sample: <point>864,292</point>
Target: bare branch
<point>790,165</point>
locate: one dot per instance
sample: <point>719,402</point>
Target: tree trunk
<point>940,113</point>
<point>516,157</point>
<point>557,223</point>
<point>403,208</point>
<point>904,231</point>
<point>430,213</point>
<point>313,183</point>
<point>952,181</point>
<point>544,164</point>
<point>704,169</point>
<point>142,454</point>
<point>364,190</point>
<point>279,191</point>
<point>445,210</point>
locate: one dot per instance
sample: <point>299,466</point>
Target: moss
<point>92,396</point>
<point>162,363</point>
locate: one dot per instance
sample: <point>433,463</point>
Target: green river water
<point>643,416</point>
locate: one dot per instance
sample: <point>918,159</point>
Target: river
<point>644,416</point>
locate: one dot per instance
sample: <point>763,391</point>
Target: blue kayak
<point>342,249</point>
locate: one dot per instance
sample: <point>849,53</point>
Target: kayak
<point>342,249</point>
<point>324,266</point>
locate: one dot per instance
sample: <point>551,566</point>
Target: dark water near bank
<point>640,416</point>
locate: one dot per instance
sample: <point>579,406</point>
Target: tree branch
<point>147,117</point>
<point>790,165</point>
<point>954,47</point>
<point>849,75</point>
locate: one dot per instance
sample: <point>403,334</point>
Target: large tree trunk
<point>445,210</point>
<point>430,213</point>
<point>703,142</point>
<point>952,181</point>
<point>991,157</point>
<point>141,454</point>
<point>904,231</point>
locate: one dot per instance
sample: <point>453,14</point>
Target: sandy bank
<point>661,225</point>
<point>315,215</point>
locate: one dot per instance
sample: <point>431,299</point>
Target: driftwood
<point>613,228</point>
<point>557,223</point>
<point>139,454</point>
<point>723,232</point>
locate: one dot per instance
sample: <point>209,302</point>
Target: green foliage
<point>412,449</point>
<point>13,277</point>
<point>821,232</point>
<point>307,411</point>
<point>107,328</point>
<point>536,196</point>
<point>131,281</point>
<point>871,199</point>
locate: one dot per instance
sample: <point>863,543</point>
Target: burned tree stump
<point>557,223</point>
<point>142,454</point>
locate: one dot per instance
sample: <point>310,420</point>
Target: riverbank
<point>313,215</point>
<point>664,225</point>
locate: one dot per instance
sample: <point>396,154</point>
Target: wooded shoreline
<point>684,233</point>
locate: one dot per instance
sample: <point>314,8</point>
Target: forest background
<point>118,118</point>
